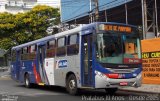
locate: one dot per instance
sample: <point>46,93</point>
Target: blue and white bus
<point>100,55</point>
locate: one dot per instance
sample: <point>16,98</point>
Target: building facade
<point>16,6</point>
<point>142,13</point>
<point>75,9</point>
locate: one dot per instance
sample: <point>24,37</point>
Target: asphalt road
<point>13,91</point>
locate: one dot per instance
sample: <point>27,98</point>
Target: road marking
<point>3,92</point>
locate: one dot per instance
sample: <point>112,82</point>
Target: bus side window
<point>32,48</point>
<point>73,44</point>
<point>25,50</point>
<point>31,52</point>
<point>61,46</point>
<point>51,46</point>
<point>24,56</point>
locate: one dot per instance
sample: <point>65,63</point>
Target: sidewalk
<point>5,75</point>
<point>148,88</point>
<point>5,78</point>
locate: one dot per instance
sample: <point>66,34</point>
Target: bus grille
<point>122,70</point>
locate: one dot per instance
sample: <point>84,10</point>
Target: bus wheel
<point>27,81</point>
<point>71,85</point>
<point>111,91</point>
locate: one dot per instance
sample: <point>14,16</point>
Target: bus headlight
<point>100,74</point>
<point>139,76</point>
<point>135,75</point>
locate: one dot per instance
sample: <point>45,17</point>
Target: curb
<point>5,78</point>
<point>138,91</point>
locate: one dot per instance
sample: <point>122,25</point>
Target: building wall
<point>53,3</point>
<point>2,5</point>
<point>71,9</point>
<point>151,61</point>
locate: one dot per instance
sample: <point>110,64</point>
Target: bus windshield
<point>118,48</point>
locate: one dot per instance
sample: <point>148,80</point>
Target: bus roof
<point>75,30</point>
<point>47,38</point>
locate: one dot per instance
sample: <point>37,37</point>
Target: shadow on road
<point>62,90</point>
<point>53,89</point>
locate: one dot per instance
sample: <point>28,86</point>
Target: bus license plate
<point>123,83</point>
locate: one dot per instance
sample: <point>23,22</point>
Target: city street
<point>13,91</point>
<point>110,45</point>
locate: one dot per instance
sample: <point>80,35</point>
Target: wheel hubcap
<point>27,82</point>
<point>72,84</point>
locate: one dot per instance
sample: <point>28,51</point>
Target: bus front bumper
<point>102,81</point>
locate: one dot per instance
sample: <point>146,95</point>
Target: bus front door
<point>86,60</point>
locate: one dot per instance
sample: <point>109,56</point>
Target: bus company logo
<point>123,66</point>
<point>62,63</point>
<point>87,31</point>
<point>121,76</point>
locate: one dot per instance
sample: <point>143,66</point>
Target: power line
<point>87,13</point>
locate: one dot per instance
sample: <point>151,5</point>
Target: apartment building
<point>16,6</point>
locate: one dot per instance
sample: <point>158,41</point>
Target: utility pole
<point>91,17</point>
<point>126,10</point>
<point>144,18</point>
<point>96,10</point>
<point>106,15</point>
<point>156,18</point>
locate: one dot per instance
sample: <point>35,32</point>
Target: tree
<point>6,43</point>
<point>25,27</point>
<point>37,20</point>
<point>7,24</point>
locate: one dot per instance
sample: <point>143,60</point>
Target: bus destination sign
<point>117,28</point>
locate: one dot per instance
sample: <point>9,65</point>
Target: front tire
<point>27,81</point>
<point>71,85</point>
<point>111,91</point>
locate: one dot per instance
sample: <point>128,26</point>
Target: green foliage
<point>37,20</point>
<point>6,43</point>
<point>7,24</point>
<point>21,37</point>
<point>25,27</point>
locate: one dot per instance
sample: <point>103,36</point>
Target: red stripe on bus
<point>37,76</point>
